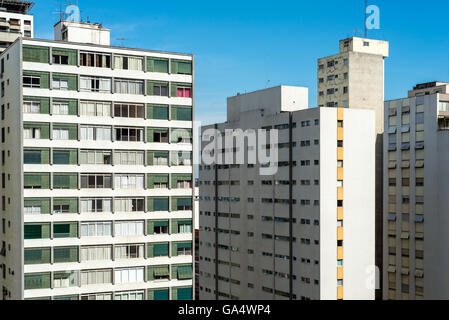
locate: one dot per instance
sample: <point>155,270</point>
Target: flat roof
<point>104,46</point>
<point>16,6</point>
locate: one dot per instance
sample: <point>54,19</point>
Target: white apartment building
<point>354,79</point>
<point>306,232</point>
<point>96,164</point>
<point>415,191</point>
<point>15,21</point>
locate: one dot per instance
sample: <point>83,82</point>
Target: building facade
<point>97,172</point>
<point>354,79</point>
<point>15,21</point>
<point>415,188</point>
<point>306,232</point>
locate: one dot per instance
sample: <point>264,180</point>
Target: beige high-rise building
<point>416,185</point>
<point>354,79</point>
<point>306,232</point>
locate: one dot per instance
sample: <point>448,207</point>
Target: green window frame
<point>44,103</point>
<point>65,156</point>
<point>71,54</point>
<point>181,113</point>
<point>158,112</point>
<point>36,180</point>
<point>66,298</point>
<point>44,128</point>
<point>180,135</point>
<point>36,156</point>
<point>153,272</point>
<point>151,224</point>
<point>180,202</point>
<point>73,104</point>
<point>182,271</point>
<point>73,129</point>
<point>151,84</point>
<point>44,76</point>
<point>156,154</point>
<point>65,181</point>
<point>65,254</point>
<point>158,294</point>
<point>157,65</point>
<point>176,158</point>
<point>180,245</point>
<point>65,205</point>
<point>156,178</point>
<point>183,293</point>
<point>174,88</point>
<point>152,131</point>
<point>181,67</point>
<point>37,255</point>
<point>72,80</point>
<point>155,204</point>
<point>176,222</point>
<point>37,281</point>
<point>63,230</point>
<point>158,250</point>
<point>43,203</point>
<point>36,54</point>
<point>176,177</point>
<point>34,231</point>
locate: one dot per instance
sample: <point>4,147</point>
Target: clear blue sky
<point>239,45</point>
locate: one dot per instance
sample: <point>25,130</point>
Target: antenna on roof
<point>268,71</point>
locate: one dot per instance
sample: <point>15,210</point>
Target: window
<point>129,275</point>
<point>132,181</point>
<point>32,156</point>
<point>96,277</point>
<point>129,205</point>
<point>129,251</point>
<point>95,109</point>
<point>61,134</point>
<point>99,60</point>
<point>98,157</point>
<point>128,86</point>
<point>158,135</point>
<point>96,181</point>
<point>31,107</point>
<point>96,229</point>
<point>128,63</point>
<point>184,227</point>
<point>96,205</point>
<point>60,84</point>
<point>32,81</point>
<point>65,156</point>
<point>60,59</point>
<point>96,253</point>
<point>60,108</point>
<point>184,92</point>
<point>158,89</point>
<point>160,227</point>
<point>96,133</point>
<point>129,295</point>
<point>129,134</point>
<point>129,111</point>
<point>128,228</point>
<point>95,84</point>
<point>129,158</point>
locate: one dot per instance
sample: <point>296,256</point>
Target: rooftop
<point>16,6</point>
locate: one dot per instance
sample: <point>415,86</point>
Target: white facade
<point>137,216</point>
<point>415,192</point>
<point>332,206</point>
<point>82,32</point>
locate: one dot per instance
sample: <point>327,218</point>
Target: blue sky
<point>240,45</point>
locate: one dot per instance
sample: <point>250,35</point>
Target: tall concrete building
<point>354,79</point>
<point>306,232</point>
<point>96,164</point>
<point>15,21</point>
<point>415,191</point>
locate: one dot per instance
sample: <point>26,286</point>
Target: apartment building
<point>15,21</point>
<point>306,232</point>
<point>354,79</point>
<point>96,164</point>
<point>415,190</point>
